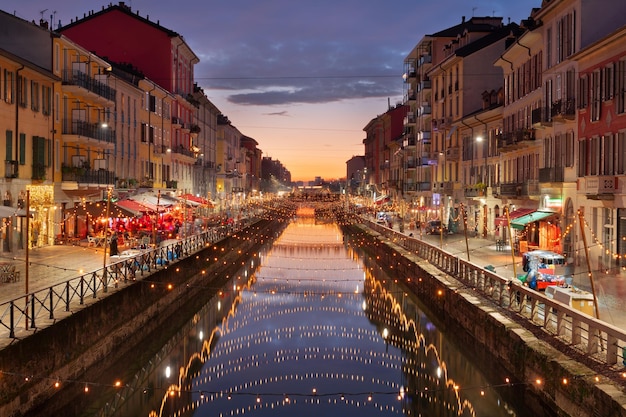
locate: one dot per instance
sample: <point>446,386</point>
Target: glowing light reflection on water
<point>315,332</point>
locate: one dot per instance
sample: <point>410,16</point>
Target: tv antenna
<point>473,10</point>
<point>42,12</point>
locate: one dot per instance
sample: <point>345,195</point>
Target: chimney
<point>43,23</point>
<point>462,19</point>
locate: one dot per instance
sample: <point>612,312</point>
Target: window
<point>9,145</point>
<point>583,91</point>
<point>595,94</point>
<point>34,96</point>
<point>607,155</point>
<point>22,84</point>
<point>569,149</point>
<point>565,37</point>
<point>22,149</point>
<point>621,153</point>
<point>608,87</point>
<point>9,86</point>
<point>46,100</point>
<point>582,158</point>
<point>620,87</point>
<point>549,48</point>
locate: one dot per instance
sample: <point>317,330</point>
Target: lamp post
<point>106,227</point>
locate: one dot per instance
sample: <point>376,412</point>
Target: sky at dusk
<point>303,78</point>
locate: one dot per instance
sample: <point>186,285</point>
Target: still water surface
<point>312,327</point>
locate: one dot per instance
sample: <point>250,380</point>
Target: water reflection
<point>316,329</point>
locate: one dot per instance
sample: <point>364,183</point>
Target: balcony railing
<point>541,117</point>
<point>555,174</point>
<point>424,85</point>
<point>90,130</point>
<point>88,176</point>
<point>183,151</point>
<point>512,189</point>
<point>512,140</point>
<point>80,79</point>
<point>600,186</point>
<point>564,109</point>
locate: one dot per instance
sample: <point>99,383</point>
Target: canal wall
<point>568,387</point>
<point>92,338</point>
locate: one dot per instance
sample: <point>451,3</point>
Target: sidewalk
<point>51,265</point>
<point>610,289</point>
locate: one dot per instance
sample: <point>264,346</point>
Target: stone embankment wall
<point>107,329</point>
<point>484,327</point>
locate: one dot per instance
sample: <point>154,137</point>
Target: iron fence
<point>592,337</point>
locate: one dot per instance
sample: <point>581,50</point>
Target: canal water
<point>308,327</point>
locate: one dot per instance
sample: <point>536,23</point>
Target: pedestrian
<point>113,246</point>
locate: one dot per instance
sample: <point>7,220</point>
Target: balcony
<point>424,136</point>
<point>563,110</point>
<point>172,184</point>
<point>423,186</point>
<point>510,141</point>
<point>556,174</point>
<point>424,85</point>
<point>181,150</point>
<point>443,187</point>
<point>424,110</point>
<point>72,77</point>
<point>177,122</point>
<point>87,176</point>
<point>425,59</point>
<point>600,187</point>
<point>410,95</point>
<point>453,153</point>
<point>474,191</point>
<point>541,118</point>
<point>87,130</point>
<point>512,189</point>
<point>409,141</point>
<point>410,118</point>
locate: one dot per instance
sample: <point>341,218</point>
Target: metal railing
<point>50,304</point>
<point>595,338</point>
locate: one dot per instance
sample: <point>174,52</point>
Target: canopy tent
<point>502,220</point>
<point>520,222</point>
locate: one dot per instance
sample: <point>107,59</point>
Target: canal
<point>311,326</point>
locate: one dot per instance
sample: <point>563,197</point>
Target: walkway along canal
<point>572,364</point>
<point>91,339</point>
<point>313,328</point>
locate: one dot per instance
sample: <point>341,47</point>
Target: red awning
<point>136,207</point>
<point>196,199</point>
<point>502,221</point>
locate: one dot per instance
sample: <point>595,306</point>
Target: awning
<point>521,222</point>
<point>135,207</point>
<point>382,199</point>
<point>6,211</point>
<point>502,220</point>
<point>193,198</point>
<point>151,200</point>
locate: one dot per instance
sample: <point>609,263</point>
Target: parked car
<point>434,227</point>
